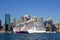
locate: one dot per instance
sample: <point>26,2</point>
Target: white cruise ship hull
<point>36,31</point>
<point>39,31</point>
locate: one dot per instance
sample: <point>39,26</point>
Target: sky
<point>17,8</point>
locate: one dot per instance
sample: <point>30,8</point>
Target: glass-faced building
<point>7,22</point>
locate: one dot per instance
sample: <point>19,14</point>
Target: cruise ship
<point>31,26</point>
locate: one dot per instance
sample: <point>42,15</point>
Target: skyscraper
<point>14,22</point>
<point>7,22</point>
<point>21,19</point>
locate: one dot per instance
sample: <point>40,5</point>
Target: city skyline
<point>17,8</point>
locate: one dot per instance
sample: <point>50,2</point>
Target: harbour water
<point>40,36</point>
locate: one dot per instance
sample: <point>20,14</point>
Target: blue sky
<point>17,8</point>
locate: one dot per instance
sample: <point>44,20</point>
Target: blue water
<point>44,36</point>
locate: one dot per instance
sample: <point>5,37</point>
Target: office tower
<point>7,22</point>
<point>41,19</point>
<point>57,24</point>
<point>21,19</point>
<point>14,22</point>
<point>17,23</point>
<point>41,23</point>
<point>11,24</point>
